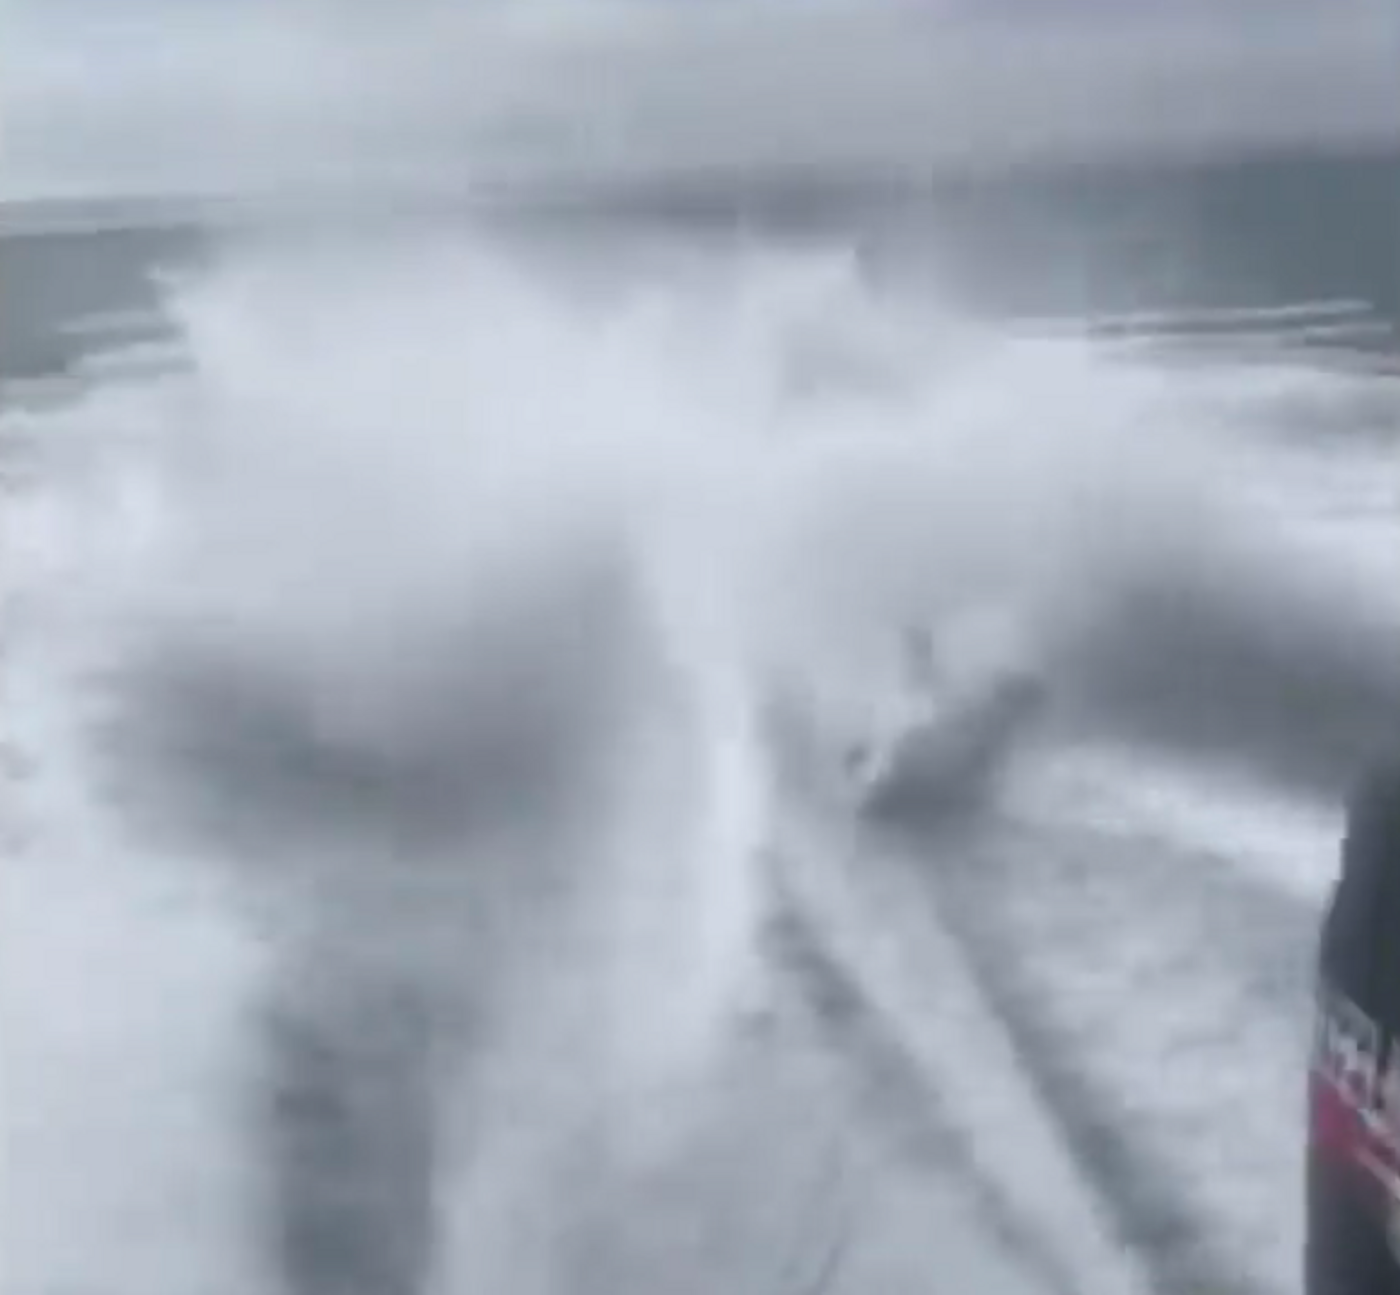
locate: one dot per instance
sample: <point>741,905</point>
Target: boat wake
<point>421,682</point>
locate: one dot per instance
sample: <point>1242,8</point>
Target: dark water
<point>1253,234</point>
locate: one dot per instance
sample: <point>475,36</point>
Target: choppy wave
<point>450,639</point>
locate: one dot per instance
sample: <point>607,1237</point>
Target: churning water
<point>430,684</point>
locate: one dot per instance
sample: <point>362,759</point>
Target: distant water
<point>1250,236</point>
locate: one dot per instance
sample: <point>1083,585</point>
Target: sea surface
<point>435,643</point>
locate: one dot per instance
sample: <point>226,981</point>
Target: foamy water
<point>425,639</point>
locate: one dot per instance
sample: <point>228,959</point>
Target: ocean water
<point>433,652</point>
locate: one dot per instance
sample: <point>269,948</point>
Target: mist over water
<point>419,672</point>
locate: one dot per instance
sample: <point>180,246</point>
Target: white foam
<point>1207,813</point>
<point>387,479</point>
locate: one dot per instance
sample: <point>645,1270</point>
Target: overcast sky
<point>181,95</point>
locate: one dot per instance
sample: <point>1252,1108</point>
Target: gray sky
<point>142,95</point>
